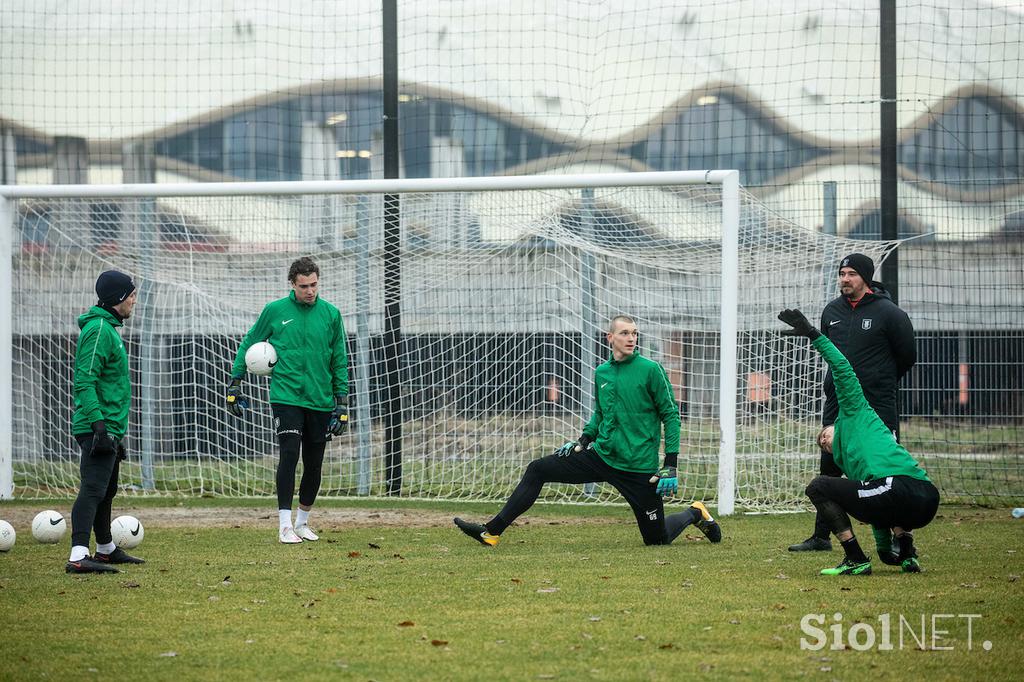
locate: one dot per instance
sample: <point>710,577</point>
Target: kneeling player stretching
<point>884,485</point>
<point>633,400</point>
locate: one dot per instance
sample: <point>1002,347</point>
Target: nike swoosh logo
<point>57,522</point>
<point>604,384</point>
<point>833,322</point>
<point>136,531</point>
<point>271,364</point>
<point>286,322</point>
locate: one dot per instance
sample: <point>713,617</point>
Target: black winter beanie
<point>864,266</point>
<point>112,287</point>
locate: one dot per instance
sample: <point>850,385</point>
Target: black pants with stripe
<point>588,467</point>
<point>828,467</point>
<point>886,502</point>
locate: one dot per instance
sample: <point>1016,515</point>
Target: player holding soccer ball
<point>308,389</point>
<point>102,397</point>
<point>884,485</point>
<point>619,445</point>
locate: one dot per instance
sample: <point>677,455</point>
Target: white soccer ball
<point>127,531</point>
<point>7,536</point>
<point>49,527</point>
<point>261,358</point>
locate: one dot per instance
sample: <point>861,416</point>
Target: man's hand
<point>237,403</point>
<point>102,443</point>
<point>579,445</point>
<point>122,454</point>
<point>800,325</point>
<point>339,416</point>
<point>668,481</point>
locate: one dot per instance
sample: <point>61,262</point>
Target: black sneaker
<point>812,544</point>
<point>706,524</point>
<point>88,565</point>
<point>118,556</point>
<point>478,532</point>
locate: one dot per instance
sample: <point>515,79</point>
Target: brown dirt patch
<point>326,518</point>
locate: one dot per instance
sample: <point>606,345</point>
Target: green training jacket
<point>633,400</point>
<point>312,355</point>
<point>862,446</point>
<point>101,386</point>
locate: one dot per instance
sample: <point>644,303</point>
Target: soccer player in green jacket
<point>619,445</point>
<point>102,399</point>
<point>308,389</point>
<point>884,485</point>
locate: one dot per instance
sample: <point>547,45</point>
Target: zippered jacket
<point>101,384</point>
<point>863,447</point>
<point>877,338</point>
<point>633,402</point>
<point>312,355</point>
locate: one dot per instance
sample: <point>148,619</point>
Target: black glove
<point>339,416</point>
<point>800,325</point>
<point>102,443</point>
<point>237,403</point>
<point>122,454</point>
<point>579,445</point>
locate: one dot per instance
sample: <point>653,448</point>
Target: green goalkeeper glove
<point>668,481</point>
<point>579,445</point>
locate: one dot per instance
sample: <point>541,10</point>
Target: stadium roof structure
<point>583,70</point>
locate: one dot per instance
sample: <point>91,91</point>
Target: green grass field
<point>570,594</point>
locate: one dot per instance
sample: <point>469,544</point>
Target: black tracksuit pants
<point>91,511</point>
<point>588,467</point>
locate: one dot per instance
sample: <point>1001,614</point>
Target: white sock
<point>301,517</point>
<point>284,518</point>
<point>107,548</point>
<point>78,553</point>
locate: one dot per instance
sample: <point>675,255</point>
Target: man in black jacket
<point>876,336</point>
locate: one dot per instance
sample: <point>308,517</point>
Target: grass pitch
<point>571,594</point>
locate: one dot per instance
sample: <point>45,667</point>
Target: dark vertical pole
<point>392,258</point>
<point>890,207</point>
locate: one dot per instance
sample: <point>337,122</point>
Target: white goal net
<point>503,296</point>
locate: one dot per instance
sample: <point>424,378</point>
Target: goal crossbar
<point>401,186</point>
<point>730,216</point>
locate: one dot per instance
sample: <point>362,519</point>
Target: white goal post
<point>506,284</point>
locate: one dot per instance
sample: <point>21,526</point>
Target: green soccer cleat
<point>478,532</point>
<point>910,565</point>
<point>707,525</point>
<point>849,567</point>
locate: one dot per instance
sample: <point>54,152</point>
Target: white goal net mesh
<point>504,299</point>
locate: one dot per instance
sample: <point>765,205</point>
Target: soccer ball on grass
<point>49,527</point>
<point>127,531</point>
<point>7,536</point>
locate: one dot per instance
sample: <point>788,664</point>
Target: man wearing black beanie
<point>102,399</point>
<point>876,336</point>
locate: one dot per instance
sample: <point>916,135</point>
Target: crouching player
<point>884,485</point>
